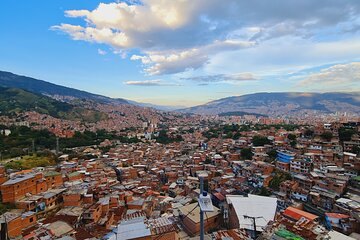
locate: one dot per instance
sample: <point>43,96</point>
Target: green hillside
<point>13,100</point>
<point>11,80</point>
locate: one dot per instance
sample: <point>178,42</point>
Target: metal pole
<point>57,146</point>
<point>201,212</point>
<point>254,220</point>
<point>254,224</point>
<point>33,146</point>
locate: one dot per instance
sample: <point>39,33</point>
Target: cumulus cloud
<point>339,74</point>
<point>229,78</point>
<point>168,62</point>
<point>173,36</point>
<point>150,83</point>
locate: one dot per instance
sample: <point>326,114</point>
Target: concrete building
<point>191,218</point>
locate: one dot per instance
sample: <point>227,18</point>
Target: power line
<point>158,237</point>
<point>191,210</point>
<point>254,223</point>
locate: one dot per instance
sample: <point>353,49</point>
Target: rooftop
<point>18,179</point>
<point>254,206</point>
<point>296,214</point>
<point>192,211</point>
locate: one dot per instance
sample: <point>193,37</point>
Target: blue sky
<point>184,52</point>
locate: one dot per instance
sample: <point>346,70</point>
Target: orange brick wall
<point>16,226</point>
<point>11,193</point>
<point>35,185</point>
<point>54,181</point>
<point>41,187</point>
<point>72,200</point>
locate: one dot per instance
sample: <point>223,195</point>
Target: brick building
<point>16,188</point>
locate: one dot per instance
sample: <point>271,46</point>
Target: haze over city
<point>180,120</point>
<point>184,52</point>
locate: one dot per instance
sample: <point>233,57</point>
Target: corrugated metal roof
<point>134,228</point>
<point>297,214</point>
<point>254,206</point>
<point>18,179</point>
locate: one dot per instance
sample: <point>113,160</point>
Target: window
<point>31,219</point>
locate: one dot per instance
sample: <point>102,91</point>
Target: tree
<point>278,178</point>
<point>355,149</point>
<point>272,154</point>
<point>308,133</point>
<point>345,134</point>
<point>291,137</point>
<point>165,139</point>
<point>327,136</point>
<point>207,160</point>
<point>264,192</point>
<point>237,135</point>
<point>260,141</point>
<point>229,135</point>
<point>5,207</point>
<point>246,153</point>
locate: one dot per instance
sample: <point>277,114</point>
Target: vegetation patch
<point>29,162</point>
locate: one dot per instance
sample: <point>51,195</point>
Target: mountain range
<point>15,100</point>
<point>8,79</point>
<point>269,104</point>
<point>282,103</point>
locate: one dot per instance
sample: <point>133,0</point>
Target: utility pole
<point>4,233</point>
<point>33,146</point>
<point>205,205</point>
<point>201,212</point>
<point>57,146</point>
<point>254,223</point>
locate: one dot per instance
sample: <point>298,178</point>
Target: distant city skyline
<point>184,52</point>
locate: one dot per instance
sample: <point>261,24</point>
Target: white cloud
<point>339,74</point>
<point>228,78</point>
<point>149,83</point>
<point>175,35</point>
<point>168,62</point>
<point>284,55</point>
<point>102,52</point>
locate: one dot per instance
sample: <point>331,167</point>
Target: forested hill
<point>13,100</point>
<point>8,79</point>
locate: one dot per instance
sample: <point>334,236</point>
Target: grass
<point>29,162</point>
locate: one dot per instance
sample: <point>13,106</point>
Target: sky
<point>184,52</point>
